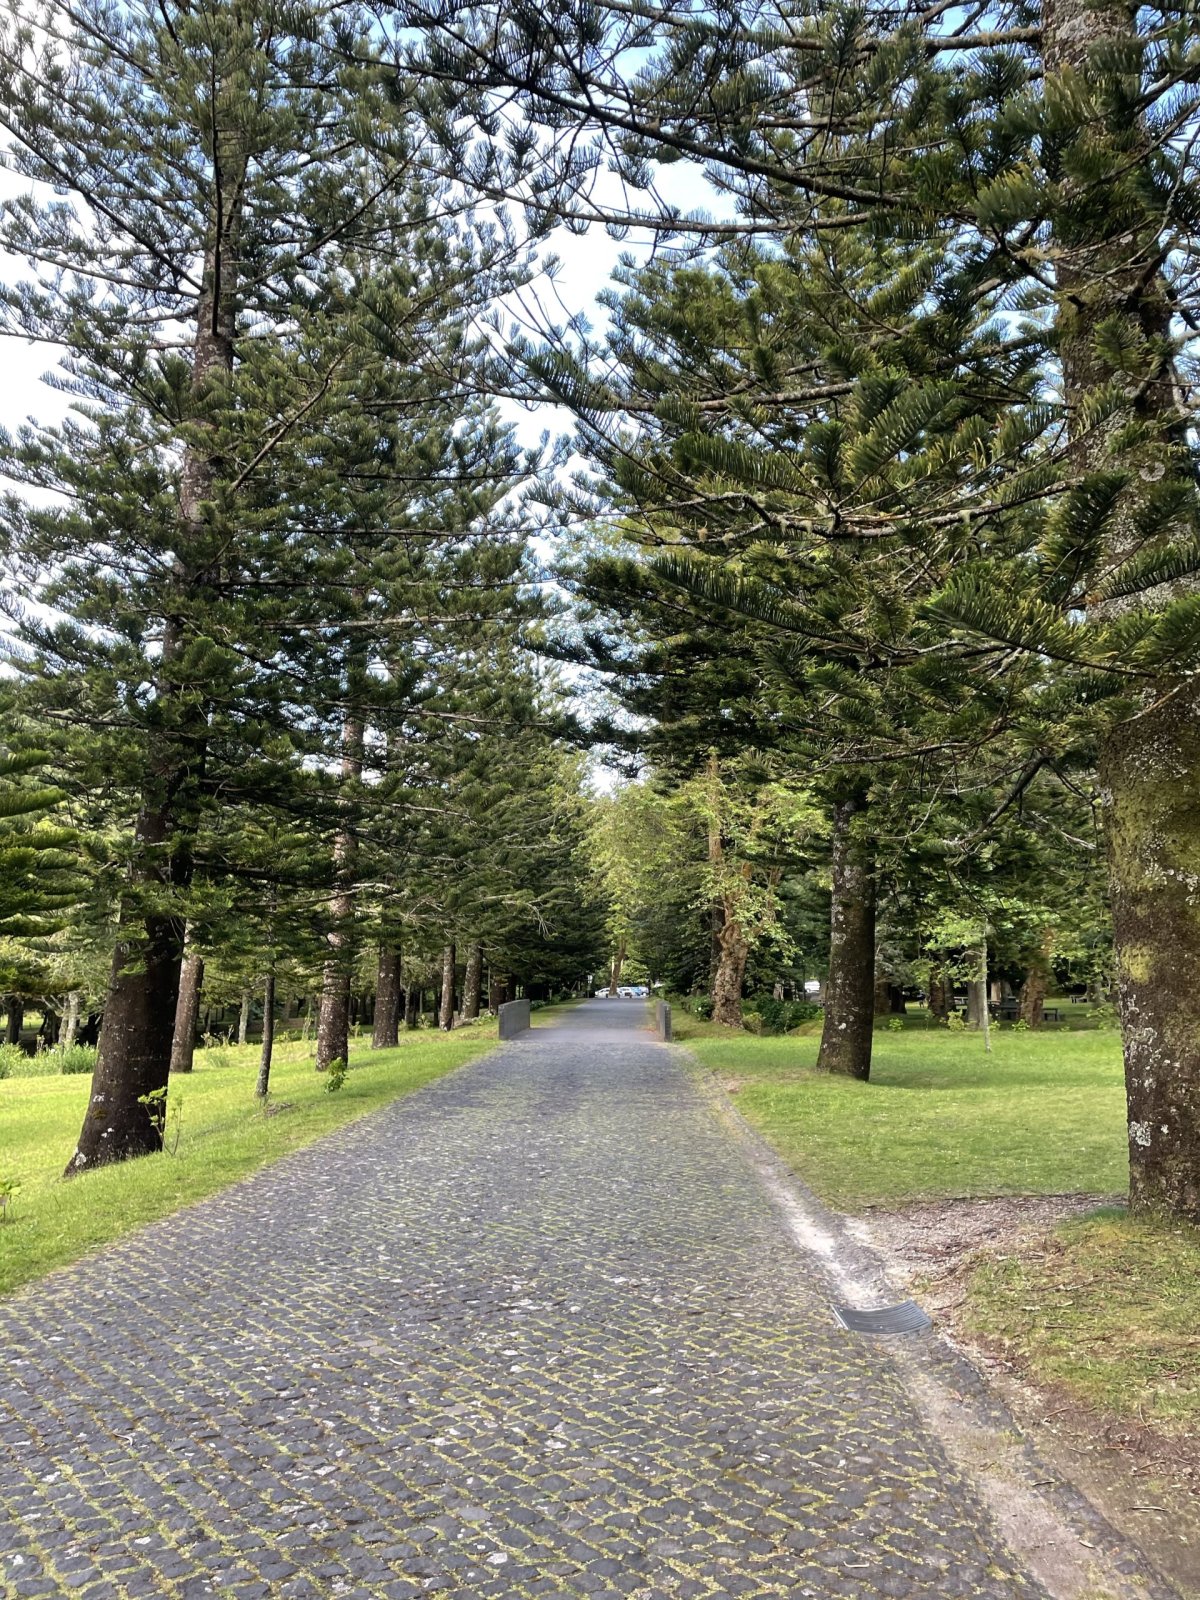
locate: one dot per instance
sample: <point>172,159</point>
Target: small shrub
<point>1020,1026</point>
<point>697,1005</point>
<point>76,1059</point>
<point>8,1193</point>
<point>777,1016</point>
<point>12,1059</point>
<point>895,1025</point>
<point>216,1051</point>
<point>955,1022</point>
<point>336,1076</point>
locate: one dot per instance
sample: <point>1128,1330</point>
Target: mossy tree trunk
<point>1110,281</point>
<point>730,975</point>
<point>846,1033</point>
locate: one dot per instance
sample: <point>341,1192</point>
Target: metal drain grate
<point>907,1317</point>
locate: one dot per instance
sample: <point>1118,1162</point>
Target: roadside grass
<point>1042,1114</point>
<point>1106,1309</point>
<point>223,1136</point>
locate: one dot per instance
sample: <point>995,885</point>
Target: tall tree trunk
<point>731,971</point>
<point>1031,1000</point>
<point>939,994</point>
<point>446,1015</point>
<point>244,1017</point>
<point>71,1025</point>
<point>976,1002</point>
<point>889,997</point>
<point>412,1005</point>
<point>500,990</point>
<point>385,1026</point>
<point>614,974</point>
<point>333,1020</point>
<point>187,1009</point>
<point>16,1019</point>
<point>1108,272</point>
<point>472,981</point>
<point>134,1058</point>
<point>846,1032</point>
<point>263,1085</point>
<point>1149,776</point>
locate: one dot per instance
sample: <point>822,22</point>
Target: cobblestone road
<point>534,1332</point>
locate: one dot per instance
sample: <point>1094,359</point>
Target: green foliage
<point>12,1060</point>
<point>76,1059</point>
<point>778,1016</point>
<point>335,1076</point>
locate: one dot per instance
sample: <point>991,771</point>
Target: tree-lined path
<point>536,1330</point>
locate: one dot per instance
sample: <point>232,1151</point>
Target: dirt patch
<point>932,1241</point>
<point>1147,1485</point>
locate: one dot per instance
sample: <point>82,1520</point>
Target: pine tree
<point>227,166</point>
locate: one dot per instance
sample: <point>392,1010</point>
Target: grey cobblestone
<point>535,1331</point>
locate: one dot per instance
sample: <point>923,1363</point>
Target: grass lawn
<point>223,1136</point>
<point>1043,1114</point>
<point>1108,1310</point>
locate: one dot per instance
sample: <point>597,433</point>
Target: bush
<point>696,1005</point>
<point>79,1058</point>
<point>764,1014</point>
<point>12,1059</point>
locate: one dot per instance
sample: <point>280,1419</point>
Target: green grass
<point>1043,1114</point>
<point>1108,1310</point>
<point>224,1136</point>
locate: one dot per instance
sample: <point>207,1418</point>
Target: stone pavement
<point>535,1331</point>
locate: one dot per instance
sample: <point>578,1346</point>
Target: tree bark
<point>473,981</point>
<point>244,1017</point>
<point>1108,271</point>
<point>15,1021</point>
<point>500,991</point>
<point>731,972</point>
<point>889,997</point>
<point>976,1002</point>
<point>412,1006</point>
<point>847,1030</point>
<point>333,1021</point>
<point>134,1058</point>
<point>446,1014</point>
<point>71,1024</point>
<point>263,1085</point>
<point>1031,998</point>
<point>614,977</point>
<point>1149,771</point>
<point>939,994</point>
<point>187,1009</point>
<point>385,1026</point>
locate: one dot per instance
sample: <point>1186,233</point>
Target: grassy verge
<point>1043,1114</point>
<point>223,1136</point>
<point>1108,1311</point>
